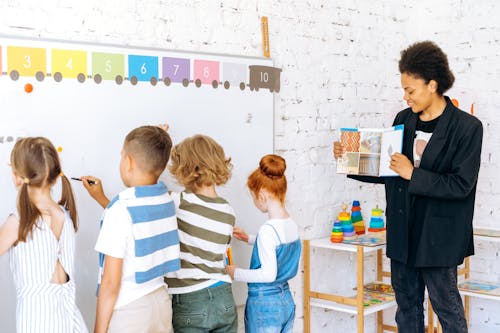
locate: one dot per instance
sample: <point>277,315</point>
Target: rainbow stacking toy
<point>346,223</point>
<point>337,235</point>
<point>376,220</point>
<point>357,218</point>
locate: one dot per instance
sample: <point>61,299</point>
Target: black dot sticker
<point>58,77</point>
<point>215,84</point>
<point>167,81</point>
<point>97,78</point>
<point>227,84</point>
<point>197,83</point>
<point>133,80</point>
<point>185,82</point>
<point>153,81</point>
<point>119,79</point>
<point>40,76</point>
<point>81,78</point>
<point>14,75</point>
<point>242,86</point>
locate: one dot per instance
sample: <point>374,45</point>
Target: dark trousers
<point>409,286</point>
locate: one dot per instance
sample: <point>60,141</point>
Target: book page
<point>392,142</point>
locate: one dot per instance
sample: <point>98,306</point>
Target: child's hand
<point>230,270</point>
<point>164,127</point>
<point>95,190</point>
<point>240,234</point>
<point>338,149</point>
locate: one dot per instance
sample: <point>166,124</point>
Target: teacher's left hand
<point>401,165</point>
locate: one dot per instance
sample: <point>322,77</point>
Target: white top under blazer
<point>43,306</point>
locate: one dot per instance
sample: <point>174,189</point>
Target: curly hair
<point>199,161</point>
<point>425,60</point>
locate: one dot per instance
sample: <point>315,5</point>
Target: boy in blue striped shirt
<point>138,242</point>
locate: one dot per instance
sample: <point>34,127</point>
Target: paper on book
<point>369,150</point>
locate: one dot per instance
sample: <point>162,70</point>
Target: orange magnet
<point>59,149</point>
<point>28,87</point>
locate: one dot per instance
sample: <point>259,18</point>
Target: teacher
<point>430,205</point>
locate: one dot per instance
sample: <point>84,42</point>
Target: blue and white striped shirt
<point>139,226</point>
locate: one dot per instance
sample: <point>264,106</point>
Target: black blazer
<point>445,184</point>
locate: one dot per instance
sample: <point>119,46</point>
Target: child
<point>202,298</point>
<point>41,241</point>
<point>275,256</point>
<point>138,241</point>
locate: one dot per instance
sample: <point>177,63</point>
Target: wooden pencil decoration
<point>265,37</point>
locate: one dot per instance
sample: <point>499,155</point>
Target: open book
<point>369,150</point>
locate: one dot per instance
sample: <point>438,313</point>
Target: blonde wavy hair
<point>199,161</point>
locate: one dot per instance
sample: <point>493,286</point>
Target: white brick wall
<point>339,61</point>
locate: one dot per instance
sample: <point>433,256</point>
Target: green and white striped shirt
<point>205,229</point>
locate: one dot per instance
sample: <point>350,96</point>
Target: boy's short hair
<point>150,146</point>
<point>200,161</point>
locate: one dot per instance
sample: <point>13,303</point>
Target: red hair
<point>269,176</point>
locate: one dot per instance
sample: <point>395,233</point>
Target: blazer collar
<point>438,138</point>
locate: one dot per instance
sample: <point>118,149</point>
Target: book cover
<point>481,287</point>
<point>370,298</point>
<point>379,287</point>
<point>369,239</point>
<point>368,150</point>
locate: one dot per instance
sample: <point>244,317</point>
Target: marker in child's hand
<point>91,182</point>
<point>229,255</point>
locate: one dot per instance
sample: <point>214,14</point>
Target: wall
<point>339,61</point>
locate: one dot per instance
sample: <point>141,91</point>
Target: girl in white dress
<point>41,242</point>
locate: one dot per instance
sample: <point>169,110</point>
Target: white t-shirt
<point>116,240</point>
<point>267,241</point>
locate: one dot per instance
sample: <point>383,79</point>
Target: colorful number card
<point>142,67</point>
<point>206,71</point>
<point>234,73</point>
<point>26,61</point>
<point>108,65</point>
<point>69,63</point>
<point>176,69</point>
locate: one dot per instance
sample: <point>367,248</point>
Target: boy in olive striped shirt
<point>202,298</point>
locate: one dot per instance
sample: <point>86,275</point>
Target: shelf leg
<point>307,289</point>
<point>467,298</point>
<point>380,268</point>
<point>430,317</point>
<point>360,289</point>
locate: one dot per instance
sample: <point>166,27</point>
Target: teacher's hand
<point>338,149</point>
<point>401,165</point>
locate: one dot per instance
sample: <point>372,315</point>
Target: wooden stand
<point>353,305</point>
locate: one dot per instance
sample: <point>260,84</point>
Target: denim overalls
<point>270,307</point>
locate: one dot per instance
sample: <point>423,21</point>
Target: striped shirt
<point>43,306</point>
<point>139,226</point>
<point>205,229</point>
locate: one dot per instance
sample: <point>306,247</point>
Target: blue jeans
<point>409,286</point>
<point>207,310</point>
<point>269,311</point>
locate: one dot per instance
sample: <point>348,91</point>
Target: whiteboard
<point>87,121</point>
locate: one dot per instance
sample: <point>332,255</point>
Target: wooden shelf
<point>350,308</point>
<point>325,243</point>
